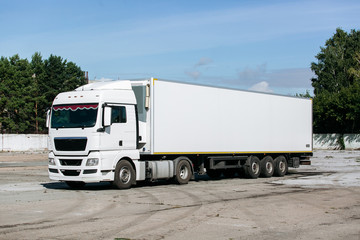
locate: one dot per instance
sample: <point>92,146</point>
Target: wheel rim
<point>125,175</point>
<point>282,166</point>
<point>255,168</point>
<point>269,167</point>
<point>184,172</point>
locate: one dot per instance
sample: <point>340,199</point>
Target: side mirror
<point>48,118</point>
<point>107,116</point>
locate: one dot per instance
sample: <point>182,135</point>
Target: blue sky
<point>256,45</point>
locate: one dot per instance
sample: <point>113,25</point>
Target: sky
<point>254,45</point>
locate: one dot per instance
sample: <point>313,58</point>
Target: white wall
<point>23,142</point>
<point>38,142</point>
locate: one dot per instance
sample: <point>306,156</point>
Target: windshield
<point>74,115</point>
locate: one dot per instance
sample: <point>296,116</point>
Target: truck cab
<point>91,129</point>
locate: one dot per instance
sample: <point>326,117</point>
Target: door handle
<point>120,143</point>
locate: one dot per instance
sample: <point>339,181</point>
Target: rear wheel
<point>124,175</point>
<point>183,172</point>
<point>281,166</point>
<point>252,167</point>
<point>267,166</point>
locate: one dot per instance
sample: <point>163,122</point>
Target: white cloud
<point>112,41</point>
<point>261,87</point>
<point>291,77</point>
<point>250,75</point>
<point>209,29</point>
<point>287,77</point>
<point>203,61</point>
<point>193,74</point>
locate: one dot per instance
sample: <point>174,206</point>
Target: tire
<point>75,184</point>
<point>267,167</point>
<point>213,173</point>
<point>183,172</point>
<point>252,167</point>
<point>124,175</point>
<point>281,166</point>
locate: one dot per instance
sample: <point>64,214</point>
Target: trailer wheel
<point>281,166</point>
<point>252,167</point>
<point>124,175</point>
<point>267,167</point>
<point>183,172</point>
<point>75,184</point>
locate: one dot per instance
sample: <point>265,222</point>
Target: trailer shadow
<point>295,173</point>
<point>109,186</point>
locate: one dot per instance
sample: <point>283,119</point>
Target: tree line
<point>27,89</point>
<point>336,104</point>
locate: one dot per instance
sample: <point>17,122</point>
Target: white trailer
<point>129,131</point>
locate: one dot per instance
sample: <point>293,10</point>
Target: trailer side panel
<point>192,119</point>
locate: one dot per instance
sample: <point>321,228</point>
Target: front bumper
<point>73,168</point>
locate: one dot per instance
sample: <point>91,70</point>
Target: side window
<point>118,114</point>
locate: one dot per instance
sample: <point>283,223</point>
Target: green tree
<point>58,75</point>
<point>16,103</point>
<point>336,85</point>
<point>304,95</point>
<point>27,90</point>
<point>37,67</point>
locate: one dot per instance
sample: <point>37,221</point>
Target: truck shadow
<point>104,186</point>
<point>109,186</point>
<point>89,186</point>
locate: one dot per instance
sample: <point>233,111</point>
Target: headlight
<point>92,162</point>
<point>52,161</point>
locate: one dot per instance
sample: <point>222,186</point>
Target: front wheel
<point>124,175</point>
<point>183,172</point>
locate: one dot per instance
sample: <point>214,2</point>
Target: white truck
<point>129,131</point>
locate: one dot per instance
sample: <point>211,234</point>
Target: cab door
<point>121,134</point>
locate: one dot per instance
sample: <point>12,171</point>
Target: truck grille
<point>70,144</point>
<point>70,162</point>
<point>70,172</point>
<point>52,170</point>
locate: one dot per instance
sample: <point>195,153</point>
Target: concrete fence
<point>23,142</point>
<point>38,142</point>
<point>331,141</point>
